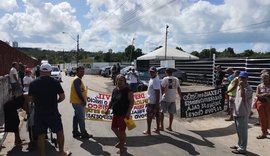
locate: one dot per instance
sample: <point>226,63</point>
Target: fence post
<point>213,69</point>
<point>246,64</point>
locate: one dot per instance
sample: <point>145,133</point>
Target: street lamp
<point>78,44</point>
<point>166,42</point>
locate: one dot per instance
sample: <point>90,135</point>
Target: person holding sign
<point>121,102</point>
<point>169,85</point>
<point>242,108</point>
<point>154,96</point>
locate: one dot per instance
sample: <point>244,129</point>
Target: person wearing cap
<point>242,108</point>
<point>263,104</point>
<point>46,93</point>
<point>154,97</point>
<point>27,79</point>
<point>78,96</point>
<point>26,82</point>
<point>169,86</point>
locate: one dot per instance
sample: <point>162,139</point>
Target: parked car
<point>181,75</point>
<point>105,71</point>
<point>71,71</point>
<point>56,73</point>
<point>124,70</point>
<point>143,79</point>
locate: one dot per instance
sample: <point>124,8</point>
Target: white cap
<point>45,67</point>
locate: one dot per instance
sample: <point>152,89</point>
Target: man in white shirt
<point>13,77</point>
<point>133,77</point>
<point>169,85</point>
<point>154,96</point>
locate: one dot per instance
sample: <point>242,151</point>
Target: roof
<point>171,54</point>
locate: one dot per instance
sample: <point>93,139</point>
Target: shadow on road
<point>191,139</point>
<point>93,147</point>
<point>18,151</point>
<point>143,141</point>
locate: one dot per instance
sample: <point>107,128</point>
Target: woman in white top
<point>27,79</point>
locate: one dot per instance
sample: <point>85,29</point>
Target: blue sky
<point>112,24</point>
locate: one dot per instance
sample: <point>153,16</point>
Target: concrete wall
<point>4,95</point>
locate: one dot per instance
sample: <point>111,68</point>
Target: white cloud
<point>193,25</point>
<point>8,5</point>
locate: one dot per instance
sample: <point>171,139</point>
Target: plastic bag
<point>130,123</point>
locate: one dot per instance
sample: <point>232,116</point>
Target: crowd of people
<point>47,92</point>
<point>239,95</point>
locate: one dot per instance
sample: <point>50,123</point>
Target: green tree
<point>129,51</point>
<point>205,53</point>
<point>195,53</point>
<point>229,52</point>
<point>179,48</point>
<point>107,57</point>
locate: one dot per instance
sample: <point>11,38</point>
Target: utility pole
<point>131,50</point>
<point>166,42</point>
<point>78,48</point>
<point>78,45</point>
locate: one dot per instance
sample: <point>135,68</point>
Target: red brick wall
<point>9,54</point>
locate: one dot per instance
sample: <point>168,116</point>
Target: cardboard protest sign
<point>201,103</point>
<point>98,102</point>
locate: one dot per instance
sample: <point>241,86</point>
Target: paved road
<point>200,136</point>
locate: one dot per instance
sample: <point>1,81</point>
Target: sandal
<point>121,150</point>
<point>146,133</point>
<point>66,153</point>
<point>160,129</point>
<point>156,131</point>
<point>261,137</point>
<point>169,129</point>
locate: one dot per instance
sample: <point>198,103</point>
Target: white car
<point>125,70</point>
<point>56,73</point>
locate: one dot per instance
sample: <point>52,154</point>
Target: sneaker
<point>239,152</point>
<point>233,147</point>
<point>86,136</point>
<point>229,119</point>
<point>76,134</point>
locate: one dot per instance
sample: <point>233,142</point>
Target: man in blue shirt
<point>46,93</point>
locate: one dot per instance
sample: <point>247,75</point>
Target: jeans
<point>133,87</point>
<point>241,124</point>
<point>79,118</point>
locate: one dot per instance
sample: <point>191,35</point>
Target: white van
<point>44,61</point>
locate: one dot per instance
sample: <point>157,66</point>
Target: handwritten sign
<point>201,103</point>
<point>97,104</point>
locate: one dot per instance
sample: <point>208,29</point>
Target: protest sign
<point>201,103</point>
<point>98,102</point>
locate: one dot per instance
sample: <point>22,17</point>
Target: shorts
<point>168,106</point>
<point>42,123</point>
<point>152,110</point>
<point>118,122</point>
<point>231,101</point>
<point>16,89</point>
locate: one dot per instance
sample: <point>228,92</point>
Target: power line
<point>249,26</point>
<point>139,18</point>
<point>111,13</point>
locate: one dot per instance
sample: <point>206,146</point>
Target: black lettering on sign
<point>201,103</point>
